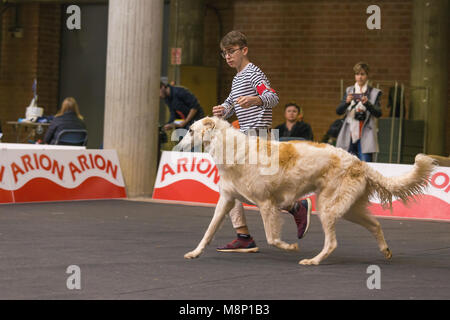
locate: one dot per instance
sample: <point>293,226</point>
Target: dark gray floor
<point>134,250</point>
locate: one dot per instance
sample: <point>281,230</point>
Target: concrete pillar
<point>186,32</point>
<point>429,68</point>
<point>132,89</point>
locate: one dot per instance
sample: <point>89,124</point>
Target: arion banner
<point>193,177</point>
<point>29,175</point>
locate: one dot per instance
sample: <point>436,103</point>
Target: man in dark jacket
<point>294,127</point>
<point>182,104</point>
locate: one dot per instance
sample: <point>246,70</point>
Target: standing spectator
<point>183,105</point>
<point>294,127</point>
<point>68,117</point>
<point>361,105</point>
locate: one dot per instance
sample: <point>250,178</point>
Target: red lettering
<point>46,166</point>
<point>26,160</point>
<point>182,163</point>
<point>109,166</point>
<point>216,174</point>
<point>82,161</point>
<point>59,169</point>
<point>92,160</point>
<point>443,184</point>
<point>199,166</point>
<point>166,169</point>
<point>36,160</point>
<point>2,170</point>
<point>193,164</point>
<point>15,170</point>
<point>73,169</point>
<point>103,163</point>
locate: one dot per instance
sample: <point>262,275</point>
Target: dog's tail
<point>404,186</point>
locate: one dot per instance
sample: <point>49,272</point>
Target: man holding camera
<point>361,105</point>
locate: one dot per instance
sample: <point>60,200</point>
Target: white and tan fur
<point>342,183</point>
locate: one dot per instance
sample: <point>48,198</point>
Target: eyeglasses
<point>229,52</point>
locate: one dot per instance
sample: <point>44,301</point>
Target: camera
<point>357,97</point>
<point>360,115</point>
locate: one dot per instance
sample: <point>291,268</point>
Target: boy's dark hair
<point>361,66</point>
<point>234,38</point>
<point>162,84</point>
<point>293,104</point>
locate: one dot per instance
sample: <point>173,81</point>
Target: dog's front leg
<point>272,226</point>
<point>224,205</point>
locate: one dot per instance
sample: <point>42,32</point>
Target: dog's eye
<point>191,132</point>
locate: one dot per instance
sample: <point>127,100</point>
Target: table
<point>32,128</point>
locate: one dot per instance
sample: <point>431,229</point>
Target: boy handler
<point>252,99</point>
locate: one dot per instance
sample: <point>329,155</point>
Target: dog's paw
<point>293,247</point>
<point>387,253</point>
<point>309,262</point>
<point>192,255</point>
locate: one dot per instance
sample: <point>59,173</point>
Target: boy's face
<point>291,113</point>
<point>361,77</point>
<point>234,55</point>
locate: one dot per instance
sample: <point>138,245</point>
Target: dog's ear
<point>208,123</point>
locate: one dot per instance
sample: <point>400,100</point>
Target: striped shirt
<point>251,81</point>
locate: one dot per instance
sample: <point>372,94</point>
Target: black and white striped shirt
<point>251,81</point>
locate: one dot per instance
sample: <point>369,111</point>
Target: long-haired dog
<point>273,174</point>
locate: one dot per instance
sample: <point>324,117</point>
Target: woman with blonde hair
<point>68,117</point>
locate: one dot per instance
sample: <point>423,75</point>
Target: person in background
<point>361,105</point>
<point>399,107</point>
<point>294,127</point>
<point>68,117</point>
<point>183,105</point>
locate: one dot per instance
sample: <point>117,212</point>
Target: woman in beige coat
<point>361,104</point>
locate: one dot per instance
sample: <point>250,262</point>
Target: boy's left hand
<point>248,101</point>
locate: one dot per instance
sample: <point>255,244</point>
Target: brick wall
<point>306,47</point>
<point>48,56</point>
<point>34,56</point>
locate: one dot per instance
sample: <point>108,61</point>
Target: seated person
<point>68,117</point>
<point>294,127</point>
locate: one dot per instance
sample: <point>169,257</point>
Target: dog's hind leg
<point>224,205</point>
<point>359,214</point>
<point>272,226</point>
<point>331,205</point>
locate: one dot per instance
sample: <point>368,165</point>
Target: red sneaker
<point>302,216</point>
<point>240,244</point>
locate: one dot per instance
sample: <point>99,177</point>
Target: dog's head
<point>200,134</point>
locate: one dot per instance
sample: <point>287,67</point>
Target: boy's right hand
<point>349,98</point>
<point>218,111</point>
